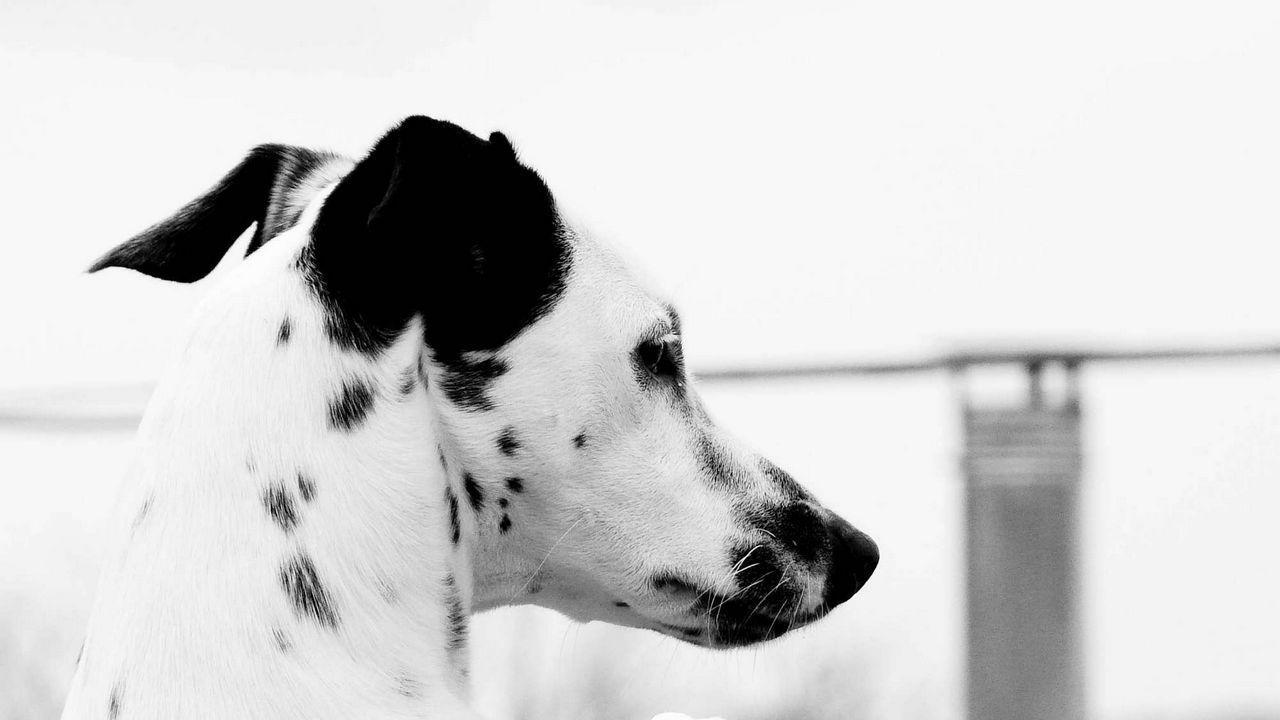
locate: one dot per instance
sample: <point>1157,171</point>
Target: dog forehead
<point>604,296</point>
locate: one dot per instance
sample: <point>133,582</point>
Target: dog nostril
<point>854,556</point>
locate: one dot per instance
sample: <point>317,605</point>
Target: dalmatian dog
<point>423,394</point>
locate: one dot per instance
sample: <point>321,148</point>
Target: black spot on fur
<point>508,443</point>
<point>466,383</point>
<point>279,504</point>
<point>496,257</point>
<point>579,440</point>
<point>475,493</point>
<point>113,703</point>
<point>302,584</point>
<point>143,511</point>
<point>188,245</point>
<point>621,604</point>
<point>349,408</point>
<point>282,642</point>
<point>505,524</point>
<point>457,614</point>
<point>503,502</point>
<point>444,462</point>
<point>408,380</point>
<point>286,330</point>
<point>306,487</point>
<point>515,484</point>
<point>454,526</point>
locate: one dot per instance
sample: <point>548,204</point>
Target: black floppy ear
<point>440,223</point>
<point>188,245</point>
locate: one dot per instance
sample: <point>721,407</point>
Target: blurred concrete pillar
<point>1023,478</point>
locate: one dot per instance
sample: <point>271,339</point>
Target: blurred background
<point>846,183</point>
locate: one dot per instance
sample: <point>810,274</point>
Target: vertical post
<point>1023,477</point>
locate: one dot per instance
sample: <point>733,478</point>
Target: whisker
<point>766,595</point>
<point>547,557</point>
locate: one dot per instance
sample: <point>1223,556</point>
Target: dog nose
<point>854,556</point>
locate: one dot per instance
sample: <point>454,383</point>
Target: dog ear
<point>188,245</point>
<point>438,222</point>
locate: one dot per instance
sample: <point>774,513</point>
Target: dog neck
<point>288,527</point>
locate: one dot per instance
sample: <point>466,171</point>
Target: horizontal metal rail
<point>119,408</point>
<point>965,359</point>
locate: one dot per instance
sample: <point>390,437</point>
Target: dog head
<point>591,477</point>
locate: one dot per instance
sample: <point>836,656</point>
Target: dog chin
<point>734,632</point>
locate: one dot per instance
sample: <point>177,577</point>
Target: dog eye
<point>660,357</point>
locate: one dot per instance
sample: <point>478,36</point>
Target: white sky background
<point>844,180</point>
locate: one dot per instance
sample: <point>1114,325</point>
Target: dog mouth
<point>733,628</point>
<point>768,605</point>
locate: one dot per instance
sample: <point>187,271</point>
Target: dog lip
<point>732,631</point>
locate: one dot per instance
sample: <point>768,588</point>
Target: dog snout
<point>854,556</point>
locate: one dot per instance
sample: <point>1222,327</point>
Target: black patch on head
<point>505,524</point>
<point>515,484</point>
<point>344,326</point>
<point>579,440</point>
<point>503,502</point>
<point>113,703</point>
<point>466,382</point>
<point>785,484</point>
<point>310,599</point>
<point>143,511</point>
<point>455,527</point>
<point>457,614</point>
<point>621,604</point>
<point>438,222</point>
<point>408,380</point>
<point>349,408</point>
<point>475,493</point>
<point>716,466</point>
<point>283,644</point>
<point>188,245</point>
<point>508,443</point>
<point>306,487</point>
<point>286,330</point>
<point>279,504</point>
